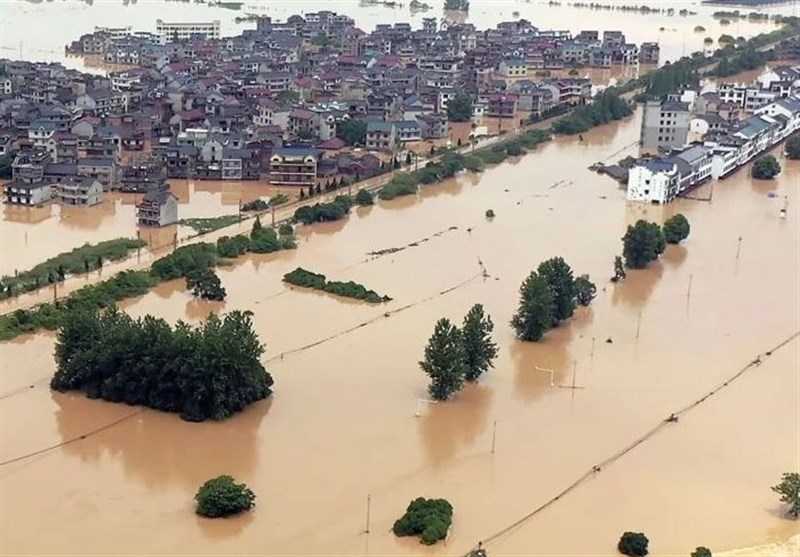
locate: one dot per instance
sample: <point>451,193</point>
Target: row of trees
<point>454,356</point>
<point>206,372</point>
<point>606,107</point>
<point>195,260</point>
<point>549,296</point>
<point>748,59</point>
<point>75,262</point>
<point>307,279</point>
<point>324,212</point>
<point>645,241</point>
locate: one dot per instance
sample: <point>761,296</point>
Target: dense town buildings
<point>269,103</point>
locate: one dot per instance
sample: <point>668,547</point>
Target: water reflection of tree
<point>452,187</point>
<point>638,286</point>
<point>675,255</point>
<point>160,449</point>
<point>197,309</point>
<point>449,426</point>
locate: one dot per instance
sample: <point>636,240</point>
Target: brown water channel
<point>341,423</point>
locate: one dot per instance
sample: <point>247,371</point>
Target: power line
<point>74,439</point>
<point>613,458</point>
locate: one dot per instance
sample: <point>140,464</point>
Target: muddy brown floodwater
<point>341,423</point>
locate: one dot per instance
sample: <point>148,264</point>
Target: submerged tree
<point>619,269</point>
<point>534,315</point>
<point>444,360</point>
<point>222,496</point>
<point>585,290</point>
<point>701,552</point>
<point>676,229</point>
<point>205,284</point>
<point>633,544</point>
<point>643,242</point>
<point>789,490</point>
<point>479,349</point>
<point>766,168</point>
<point>562,286</point>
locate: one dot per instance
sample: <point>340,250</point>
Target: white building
<point>170,32</point>
<point>654,181</point>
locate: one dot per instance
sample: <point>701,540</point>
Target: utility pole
<point>738,248</point>
<point>273,216</point>
<point>638,325</point>
<point>369,501</point>
<point>494,435</point>
<point>689,290</point>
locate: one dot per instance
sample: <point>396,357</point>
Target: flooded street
<point>341,423</point>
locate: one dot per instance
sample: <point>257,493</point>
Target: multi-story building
<point>174,32</point>
<point>79,191</point>
<point>159,207</point>
<point>381,136</point>
<point>293,166</point>
<point>104,170</point>
<point>665,126</point>
<point>28,185</point>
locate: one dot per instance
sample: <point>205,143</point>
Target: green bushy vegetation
<point>427,518</point>
<point>206,372</point>
<point>78,261</point>
<point>350,289</point>
<point>324,212</point>
<point>607,107</point>
<point>643,242</point>
<point>205,225</point>
<point>222,496</point>
<point>195,261</point>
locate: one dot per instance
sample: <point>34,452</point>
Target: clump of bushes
<point>402,184</point>
<point>222,496</point>
<point>183,260</point>
<point>349,289</point>
<point>324,212</point>
<point>206,372</point>
<point>257,205</point>
<point>489,213</point>
<point>205,284</point>
<point>633,544</point>
<point>427,518</point>
<point>766,168</point>
<point>206,225</point>
<point>676,229</point>
<point>364,198</point>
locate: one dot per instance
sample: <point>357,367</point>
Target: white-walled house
<point>654,181</point>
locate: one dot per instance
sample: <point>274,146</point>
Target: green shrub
<point>205,284</point>
<point>257,205</point>
<point>324,212</point>
<point>364,198</point>
<point>205,225</point>
<point>235,246</point>
<point>184,260</point>
<point>633,544</point>
<point>489,214</point>
<point>428,518</point>
<point>222,496</point>
<point>676,229</point>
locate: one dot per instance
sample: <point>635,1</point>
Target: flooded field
<point>341,423</point>
<point>29,235</point>
<point>33,30</point>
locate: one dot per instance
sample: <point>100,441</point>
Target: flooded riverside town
<point>399,278</point>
